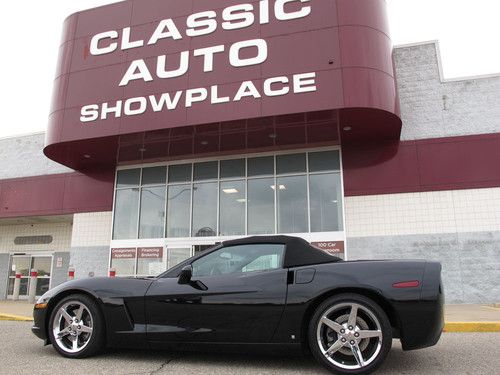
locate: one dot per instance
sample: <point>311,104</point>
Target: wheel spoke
<point>369,334</point>
<point>334,348</point>
<point>66,315</point>
<point>86,329</point>
<point>357,355</point>
<point>331,324</point>
<point>353,315</point>
<point>63,333</point>
<point>79,312</point>
<point>75,343</point>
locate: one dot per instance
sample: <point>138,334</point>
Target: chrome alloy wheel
<point>349,336</point>
<point>73,326</point>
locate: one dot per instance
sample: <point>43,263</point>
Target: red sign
<point>150,252</point>
<point>141,66</point>
<point>332,248</point>
<point>123,253</point>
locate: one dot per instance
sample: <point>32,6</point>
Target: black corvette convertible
<point>273,292</point>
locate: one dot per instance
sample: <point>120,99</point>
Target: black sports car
<point>273,292</point>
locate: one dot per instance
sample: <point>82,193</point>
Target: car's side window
<point>240,259</point>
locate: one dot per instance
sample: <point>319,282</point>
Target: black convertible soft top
<point>298,252</point>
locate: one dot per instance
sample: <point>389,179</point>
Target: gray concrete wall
<point>90,259</point>
<point>433,107</point>
<point>471,261</point>
<point>4,275</point>
<point>60,274</point>
<point>16,153</point>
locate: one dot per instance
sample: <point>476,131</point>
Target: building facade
<point>271,117</point>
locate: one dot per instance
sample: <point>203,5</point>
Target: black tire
<point>370,320</point>
<point>91,341</point>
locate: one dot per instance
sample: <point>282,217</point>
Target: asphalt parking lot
<point>457,353</point>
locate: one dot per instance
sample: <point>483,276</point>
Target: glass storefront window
<point>326,202</point>
<point>294,163</point>
<point>152,217</point>
<point>263,166</point>
<point>232,168</point>
<point>126,213</point>
<point>261,206</point>
<point>179,173</point>
<point>205,209</point>
<point>324,161</point>
<point>178,210</point>
<point>128,178</point>
<point>292,204</point>
<point>206,171</point>
<point>257,195</point>
<point>232,208</point>
<point>154,176</point>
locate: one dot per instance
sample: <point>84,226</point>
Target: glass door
<point>43,264</point>
<point>19,264</point>
<point>23,264</point>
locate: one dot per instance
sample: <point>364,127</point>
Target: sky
<point>468,33</point>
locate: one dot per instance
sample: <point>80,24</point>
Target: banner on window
<point>128,253</point>
<point>150,252</point>
<point>336,248</point>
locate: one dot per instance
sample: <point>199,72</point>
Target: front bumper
<point>39,328</point>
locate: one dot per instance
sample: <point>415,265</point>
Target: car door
<point>237,295</point>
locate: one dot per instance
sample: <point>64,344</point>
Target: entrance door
<point>24,264</point>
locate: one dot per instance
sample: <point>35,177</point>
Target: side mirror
<point>186,274</point>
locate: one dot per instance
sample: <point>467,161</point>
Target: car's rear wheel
<point>350,334</point>
<point>76,328</point>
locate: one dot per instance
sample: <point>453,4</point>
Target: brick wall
<point>432,107</point>
<point>16,153</point>
<point>90,244</point>
<point>60,232</point>
<point>460,229</point>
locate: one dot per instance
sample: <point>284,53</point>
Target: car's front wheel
<point>350,334</point>
<point>76,327</point>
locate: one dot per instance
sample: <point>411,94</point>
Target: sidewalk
<point>458,318</point>
<point>16,310</point>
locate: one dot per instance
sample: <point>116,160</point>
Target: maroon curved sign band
<point>183,77</point>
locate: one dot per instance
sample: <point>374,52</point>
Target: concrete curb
<point>15,318</point>
<point>472,327</point>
